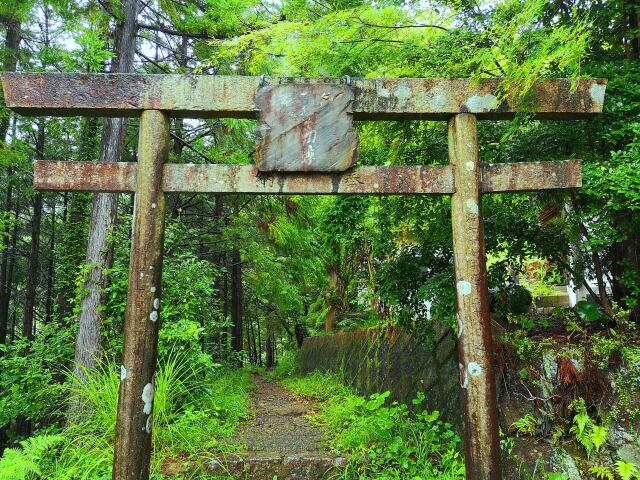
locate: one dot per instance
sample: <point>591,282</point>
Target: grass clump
<point>383,439</point>
<point>195,405</point>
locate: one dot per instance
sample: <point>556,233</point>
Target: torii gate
<point>315,150</point>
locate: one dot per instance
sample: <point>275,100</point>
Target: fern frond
<point>17,464</point>
<point>626,470</point>
<point>599,436</point>
<point>601,472</point>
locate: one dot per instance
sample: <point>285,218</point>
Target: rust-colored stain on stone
<point>305,128</point>
<point>530,176</point>
<point>380,180</point>
<point>87,176</point>
<point>216,96</point>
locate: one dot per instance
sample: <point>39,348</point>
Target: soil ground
<point>279,423</point>
<point>280,441</point>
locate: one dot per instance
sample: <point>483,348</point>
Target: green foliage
<point>29,375</point>
<point>590,435</point>
<point>627,382</point>
<point>92,51</point>
<point>603,346</point>
<point>23,463</point>
<point>516,46</point>
<point>541,277</point>
<point>394,441</point>
<point>527,348</point>
<point>626,470</point>
<point>526,425</point>
<point>602,472</point>
<point>588,311</point>
<point>193,408</point>
<point>512,299</point>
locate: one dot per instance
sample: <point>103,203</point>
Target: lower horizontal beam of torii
<point>380,180</point>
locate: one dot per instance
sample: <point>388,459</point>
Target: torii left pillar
<point>137,385</point>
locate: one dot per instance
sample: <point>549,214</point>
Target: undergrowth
<point>194,406</point>
<point>383,439</point>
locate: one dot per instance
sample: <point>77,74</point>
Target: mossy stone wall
<point>379,359</point>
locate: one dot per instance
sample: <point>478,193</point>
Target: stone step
<point>552,301</point>
<point>266,466</point>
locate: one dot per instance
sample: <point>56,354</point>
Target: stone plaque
<point>305,128</point>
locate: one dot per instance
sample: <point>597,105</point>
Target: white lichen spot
<point>376,186</point>
<point>148,425</point>
<point>156,303</point>
<point>474,369</point>
<point>152,289</point>
<point>403,93</point>
<point>463,287</point>
<point>470,166</point>
<point>383,92</point>
<point>460,325</point>
<point>482,103</point>
<point>141,274</point>
<point>435,98</point>
<point>464,381</point>
<point>597,93</point>
<point>153,205</point>
<point>147,397</point>
<point>153,316</point>
<point>472,206</point>
<point>123,373</point>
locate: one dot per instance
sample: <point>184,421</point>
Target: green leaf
<point>588,311</point>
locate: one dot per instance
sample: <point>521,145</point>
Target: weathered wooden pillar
<point>137,382</point>
<point>475,351</point>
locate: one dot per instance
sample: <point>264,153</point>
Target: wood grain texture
<point>210,96</point>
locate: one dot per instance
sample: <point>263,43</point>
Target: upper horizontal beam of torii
<point>215,96</point>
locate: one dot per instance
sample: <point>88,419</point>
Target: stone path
<point>280,441</point>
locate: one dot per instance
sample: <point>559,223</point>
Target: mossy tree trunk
<point>103,214</point>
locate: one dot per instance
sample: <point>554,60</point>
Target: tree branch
<point>171,31</point>
<point>397,27</point>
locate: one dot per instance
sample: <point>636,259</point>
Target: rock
<point>629,453</point>
<point>626,445</point>
<point>549,372</point>
<point>618,436</point>
<point>563,463</point>
<point>512,408</point>
<point>265,466</point>
<point>446,349</point>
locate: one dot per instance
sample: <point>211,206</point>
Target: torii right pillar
<point>475,350</point>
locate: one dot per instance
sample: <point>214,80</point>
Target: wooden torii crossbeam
<point>156,98</point>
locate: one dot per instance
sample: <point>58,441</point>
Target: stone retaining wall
<point>379,359</point>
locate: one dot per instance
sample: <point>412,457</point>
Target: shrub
<point>385,441</point>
